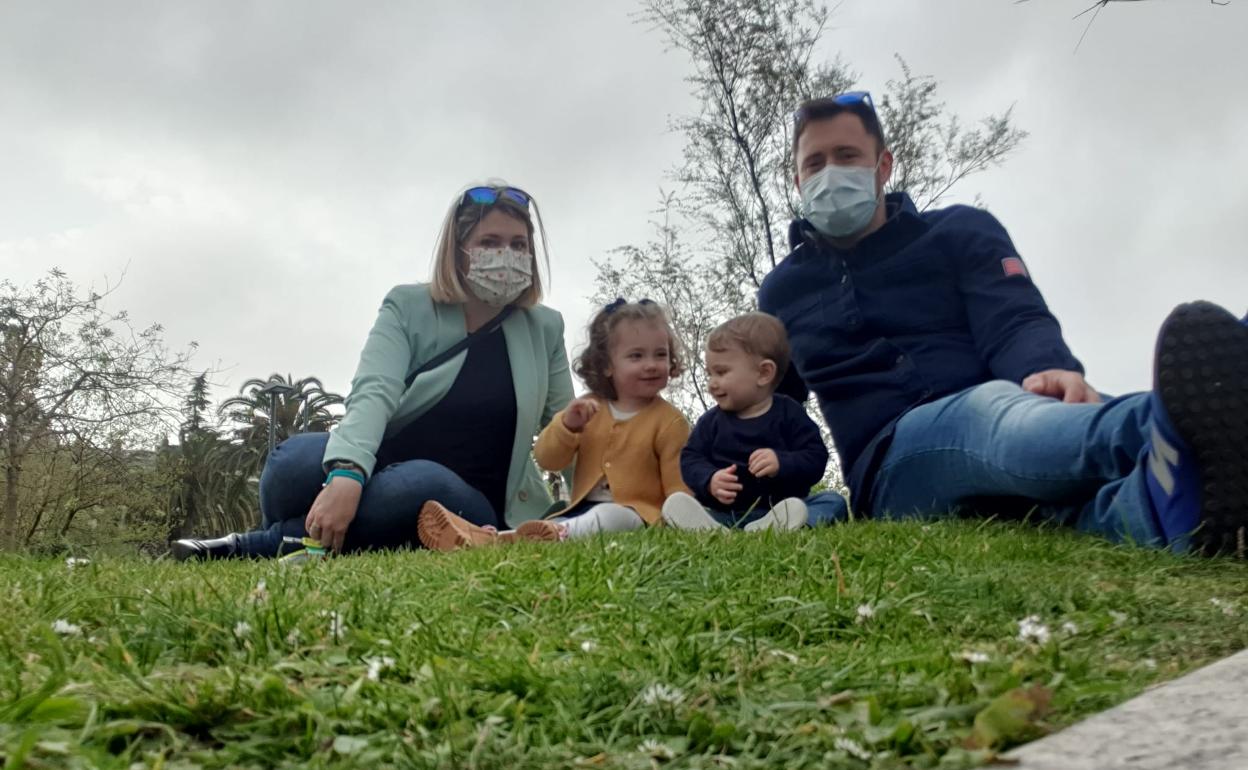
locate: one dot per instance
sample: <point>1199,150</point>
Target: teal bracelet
<point>345,473</point>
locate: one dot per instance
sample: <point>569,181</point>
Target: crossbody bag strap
<point>461,346</point>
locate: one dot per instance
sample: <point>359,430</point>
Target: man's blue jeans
<point>1080,464</point>
<point>386,517</point>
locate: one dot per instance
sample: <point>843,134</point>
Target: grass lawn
<point>651,649</point>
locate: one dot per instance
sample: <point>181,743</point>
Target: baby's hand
<point>724,485</point>
<point>764,463</point>
<point>579,413</point>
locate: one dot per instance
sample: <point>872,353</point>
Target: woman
<point>462,432</point>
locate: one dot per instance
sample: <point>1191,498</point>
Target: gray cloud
<point>265,171</point>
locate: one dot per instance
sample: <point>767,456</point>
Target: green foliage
<point>82,394</point>
<point>84,397</point>
<point>215,474</point>
<point>701,651</point>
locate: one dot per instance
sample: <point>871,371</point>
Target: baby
<point>752,459</point>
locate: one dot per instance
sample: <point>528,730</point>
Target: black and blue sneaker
<point>1198,461</point>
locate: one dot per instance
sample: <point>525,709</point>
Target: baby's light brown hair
<point>758,334</point>
<point>594,361</point>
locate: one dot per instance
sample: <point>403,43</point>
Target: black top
<point>472,429</point>
<point>721,439</point>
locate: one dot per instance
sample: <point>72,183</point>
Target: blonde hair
<point>757,334</point>
<point>594,361</point>
<point>446,282</point>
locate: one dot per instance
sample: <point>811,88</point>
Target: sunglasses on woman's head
<point>488,196</point>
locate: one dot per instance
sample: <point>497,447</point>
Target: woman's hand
<point>333,511</point>
<point>579,413</point>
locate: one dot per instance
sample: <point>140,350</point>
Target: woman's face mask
<point>498,276</point>
<point>840,200</point>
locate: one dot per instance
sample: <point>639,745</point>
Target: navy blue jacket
<point>928,305</point>
<point>721,439</point>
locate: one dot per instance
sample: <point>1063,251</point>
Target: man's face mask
<point>840,200</point>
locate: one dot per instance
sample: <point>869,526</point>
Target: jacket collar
<point>903,224</point>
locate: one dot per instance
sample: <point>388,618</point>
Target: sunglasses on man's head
<point>488,196</point>
<point>847,99</point>
<point>854,97</point>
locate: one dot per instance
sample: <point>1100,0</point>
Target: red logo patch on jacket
<point>1014,266</point>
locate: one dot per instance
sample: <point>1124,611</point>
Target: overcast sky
<point>263,172</point>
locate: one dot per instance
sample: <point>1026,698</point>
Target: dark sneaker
<point>1198,461</point>
<point>217,548</point>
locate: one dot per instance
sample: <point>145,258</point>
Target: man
<point>946,382</point>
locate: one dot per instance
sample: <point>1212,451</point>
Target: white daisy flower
<point>1030,629</point>
<point>656,750</point>
<point>852,748</point>
<point>72,562</point>
<point>1070,628</point>
<point>260,593</point>
<point>65,628</point>
<point>337,627</point>
<point>589,645</point>
<point>865,612</point>
<point>377,665</point>
<point>971,656</point>
<point>1227,608</point>
<point>662,693</point>
<point>242,628</point>
<point>788,656</point>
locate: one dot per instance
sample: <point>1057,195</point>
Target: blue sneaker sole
<point>1202,381</point>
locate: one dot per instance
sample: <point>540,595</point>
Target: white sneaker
<point>789,513</point>
<point>682,511</point>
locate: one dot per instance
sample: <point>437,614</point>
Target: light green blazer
<point>410,329</point>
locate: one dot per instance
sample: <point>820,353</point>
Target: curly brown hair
<point>594,361</point>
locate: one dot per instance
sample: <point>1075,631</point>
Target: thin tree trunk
<point>12,474</point>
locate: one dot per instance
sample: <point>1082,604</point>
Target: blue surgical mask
<point>840,200</point>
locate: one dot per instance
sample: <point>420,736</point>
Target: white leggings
<point>603,517</point>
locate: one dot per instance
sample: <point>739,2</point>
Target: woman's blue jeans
<point>993,444</point>
<point>386,517</point>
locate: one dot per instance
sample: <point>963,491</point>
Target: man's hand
<point>579,413</point>
<point>724,485</point>
<point>1060,383</point>
<point>333,511</point>
<point>764,463</point>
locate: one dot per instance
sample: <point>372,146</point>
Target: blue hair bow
<point>620,302</point>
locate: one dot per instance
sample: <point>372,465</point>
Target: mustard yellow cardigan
<point>640,457</point>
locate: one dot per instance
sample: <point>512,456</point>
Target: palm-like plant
<point>214,473</point>
<point>283,404</point>
<point>213,486</point>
